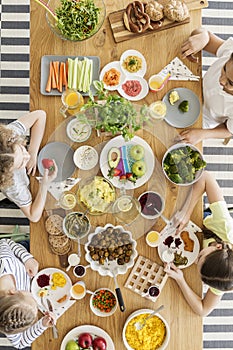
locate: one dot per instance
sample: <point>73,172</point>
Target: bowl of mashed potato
<point>155,335</point>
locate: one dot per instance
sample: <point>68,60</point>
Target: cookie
<point>53,224</point>
<point>188,242</point>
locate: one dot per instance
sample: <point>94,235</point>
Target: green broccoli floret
<point>184,106</point>
<point>173,169</point>
<point>176,178</point>
<point>199,164</point>
<point>183,170</point>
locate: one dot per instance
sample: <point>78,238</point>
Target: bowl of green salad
<point>75,20</point>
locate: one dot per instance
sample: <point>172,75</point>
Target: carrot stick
<point>56,72</point>
<point>64,78</point>
<point>54,84</point>
<point>49,82</point>
<point>60,77</point>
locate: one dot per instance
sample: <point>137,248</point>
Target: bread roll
<point>176,10</point>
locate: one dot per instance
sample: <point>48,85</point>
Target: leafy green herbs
<point>77,19</point>
<point>115,114</point>
<point>181,164</point>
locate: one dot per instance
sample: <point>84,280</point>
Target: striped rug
<point>218,326</point>
<point>14,101</point>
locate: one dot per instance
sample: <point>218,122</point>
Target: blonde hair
<point>8,140</point>
<point>16,314</point>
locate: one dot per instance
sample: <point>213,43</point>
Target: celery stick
<point>70,72</point>
<point>80,86</point>
<point>86,75</point>
<point>75,71</point>
<point>79,73</point>
<point>90,74</point>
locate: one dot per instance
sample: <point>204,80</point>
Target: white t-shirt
<point>19,192</point>
<point>218,104</point>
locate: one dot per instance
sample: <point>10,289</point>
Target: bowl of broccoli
<point>183,164</point>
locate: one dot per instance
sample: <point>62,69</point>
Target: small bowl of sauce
<point>152,204</point>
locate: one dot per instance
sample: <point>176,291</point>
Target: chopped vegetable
<point>181,164</point>
<point>77,20</point>
<point>49,81</point>
<point>184,106</point>
<point>104,300</point>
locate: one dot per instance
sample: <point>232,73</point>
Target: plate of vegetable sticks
<point>75,72</point>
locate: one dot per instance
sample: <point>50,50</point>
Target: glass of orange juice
<point>72,101</point>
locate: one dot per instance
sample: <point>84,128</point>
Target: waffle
<point>144,274</point>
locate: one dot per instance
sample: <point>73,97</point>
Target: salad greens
<point>77,19</point>
<point>181,164</point>
<point>115,114</point>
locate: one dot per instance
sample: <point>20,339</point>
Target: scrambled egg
<point>97,195</point>
<point>58,280</point>
<point>150,337</point>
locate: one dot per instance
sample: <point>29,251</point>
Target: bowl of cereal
<point>155,335</point>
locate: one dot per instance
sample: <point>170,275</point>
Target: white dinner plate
<point>53,294</point>
<point>117,66</point>
<point>144,91</point>
<point>93,330</point>
<point>177,118</point>
<point>127,53</point>
<point>63,156</point>
<point>119,141</point>
<point>45,61</point>
<point>192,256</point>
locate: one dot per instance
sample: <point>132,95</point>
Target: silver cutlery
<point>50,308</point>
<point>139,325</point>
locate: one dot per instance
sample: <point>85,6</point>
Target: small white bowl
<point>82,133</point>
<point>85,157</point>
<point>153,243</point>
<point>150,202</point>
<point>97,311</point>
<point>146,311</point>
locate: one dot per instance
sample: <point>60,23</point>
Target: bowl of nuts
<point>110,247</point>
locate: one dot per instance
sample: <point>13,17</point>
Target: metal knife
<point>50,307</point>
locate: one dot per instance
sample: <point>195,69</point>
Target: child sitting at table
<point>18,308</point>
<point>15,160</point>
<point>215,260</point>
<point>217,87</point>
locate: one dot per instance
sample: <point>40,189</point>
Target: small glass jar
<point>158,110</point>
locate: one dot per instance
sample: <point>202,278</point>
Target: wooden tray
<point>120,33</point>
<point>145,274</point>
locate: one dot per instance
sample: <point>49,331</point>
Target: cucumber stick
<point>80,74</point>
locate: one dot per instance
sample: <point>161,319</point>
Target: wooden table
<point>159,49</point>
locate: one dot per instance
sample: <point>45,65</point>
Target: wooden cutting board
<point>120,33</point>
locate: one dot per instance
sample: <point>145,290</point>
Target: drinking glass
<point>126,208</point>
<point>72,101</point>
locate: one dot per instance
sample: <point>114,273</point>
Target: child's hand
<point>180,221</point>
<point>49,319</point>
<point>173,272</point>
<point>49,176</point>
<point>31,266</point>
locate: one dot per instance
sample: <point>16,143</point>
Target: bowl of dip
<point>85,157</point>
<point>152,204</point>
<point>78,131</point>
<point>154,335</point>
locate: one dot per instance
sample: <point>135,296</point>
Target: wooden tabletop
<point>159,49</point>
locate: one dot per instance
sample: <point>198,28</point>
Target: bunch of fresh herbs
<point>115,114</point>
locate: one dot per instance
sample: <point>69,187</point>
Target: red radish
<point>48,164</point>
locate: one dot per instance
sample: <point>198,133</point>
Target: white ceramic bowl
<point>177,147</point>
<point>78,131</point>
<point>146,311</point>
<point>85,157</point>
<point>105,270</point>
<point>150,203</point>
<point>96,310</point>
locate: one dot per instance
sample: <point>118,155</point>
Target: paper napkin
<point>60,311</point>
<point>178,71</point>
<point>56,188</point>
